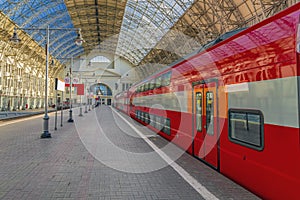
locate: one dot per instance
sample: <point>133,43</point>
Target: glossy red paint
<point>272,173</point>
<point>264,52</point>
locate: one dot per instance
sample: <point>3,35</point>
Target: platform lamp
<point>70,111</point>
<point>15,40</point>
<point>85,111</point>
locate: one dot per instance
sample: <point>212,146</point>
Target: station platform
<point>102,155</point>
<point>8,115</point>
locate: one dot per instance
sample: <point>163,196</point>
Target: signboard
<point>80,89</point>
<point>59,85</point>
<point>67,80</point>
<point>74,81</point>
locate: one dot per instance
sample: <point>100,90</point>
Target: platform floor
<point>101,156</point>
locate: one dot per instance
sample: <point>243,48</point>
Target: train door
<point>205,143</point>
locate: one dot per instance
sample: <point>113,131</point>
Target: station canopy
<point>140,31</point>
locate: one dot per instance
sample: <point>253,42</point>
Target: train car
<point>121,101</point>
<point>235,106</point>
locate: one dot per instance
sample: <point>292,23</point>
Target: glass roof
<point>145,23</point>
<point>140,31</point>
<point>40,14</point>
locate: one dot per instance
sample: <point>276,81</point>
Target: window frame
<point>211,118</point>
<point>146,87</point>
<point>142,88</point>
<point>197,113</point>
<point>158,81</point>
<point>167,126</point>
<point>261,128</point>
<point>166,79</point>
<point>152,84</point>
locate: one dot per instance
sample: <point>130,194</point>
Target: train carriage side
<point>244,98</point>
<point>235,106</point>
<point>259,142</point>
<point>121,101</point>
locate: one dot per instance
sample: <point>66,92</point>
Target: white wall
<point>118,72</point>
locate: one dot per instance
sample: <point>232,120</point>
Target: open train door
<point>205,122</point>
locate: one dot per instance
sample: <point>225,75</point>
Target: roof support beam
<point>97,21</point>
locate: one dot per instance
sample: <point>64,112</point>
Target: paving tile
<point>63,168</point>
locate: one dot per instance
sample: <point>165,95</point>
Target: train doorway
<point>205,119</point>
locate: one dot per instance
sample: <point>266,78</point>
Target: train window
<point>147,120</point>
<point>152,84</point>
<point>162,123</point>
<point>210,112</point>
<point>167,127</point>
<point>246,128</point>
<point>157,120</point>
<point>199,111</point>
<point>143,88</point>
<point>144,117</point>
<point>166,78</point>
<point>153,120</point>
<point>141,116</point>
<point>158,82</point>
<point>158,123</point>
<point>146,86</point>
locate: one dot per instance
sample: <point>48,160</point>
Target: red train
<point>234,105</point>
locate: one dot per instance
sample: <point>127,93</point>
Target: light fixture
<point>52,63</point>
<point>79,39</point>
<point>15,38</point>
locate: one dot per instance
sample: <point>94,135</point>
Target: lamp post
<point>90,99</point>
<point>86,98</point>
<point>85,85</point>
<point>80,109</point>
<point>15,40</point>
<point>70,111</point>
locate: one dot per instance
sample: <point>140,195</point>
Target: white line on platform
<point>19,120</point>
<point>25,118</point>
<point>184,174</point>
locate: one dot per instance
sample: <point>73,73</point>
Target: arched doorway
<point>103,94</point>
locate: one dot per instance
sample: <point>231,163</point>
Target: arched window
<point>102,89</point>
<point>100,59</point>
